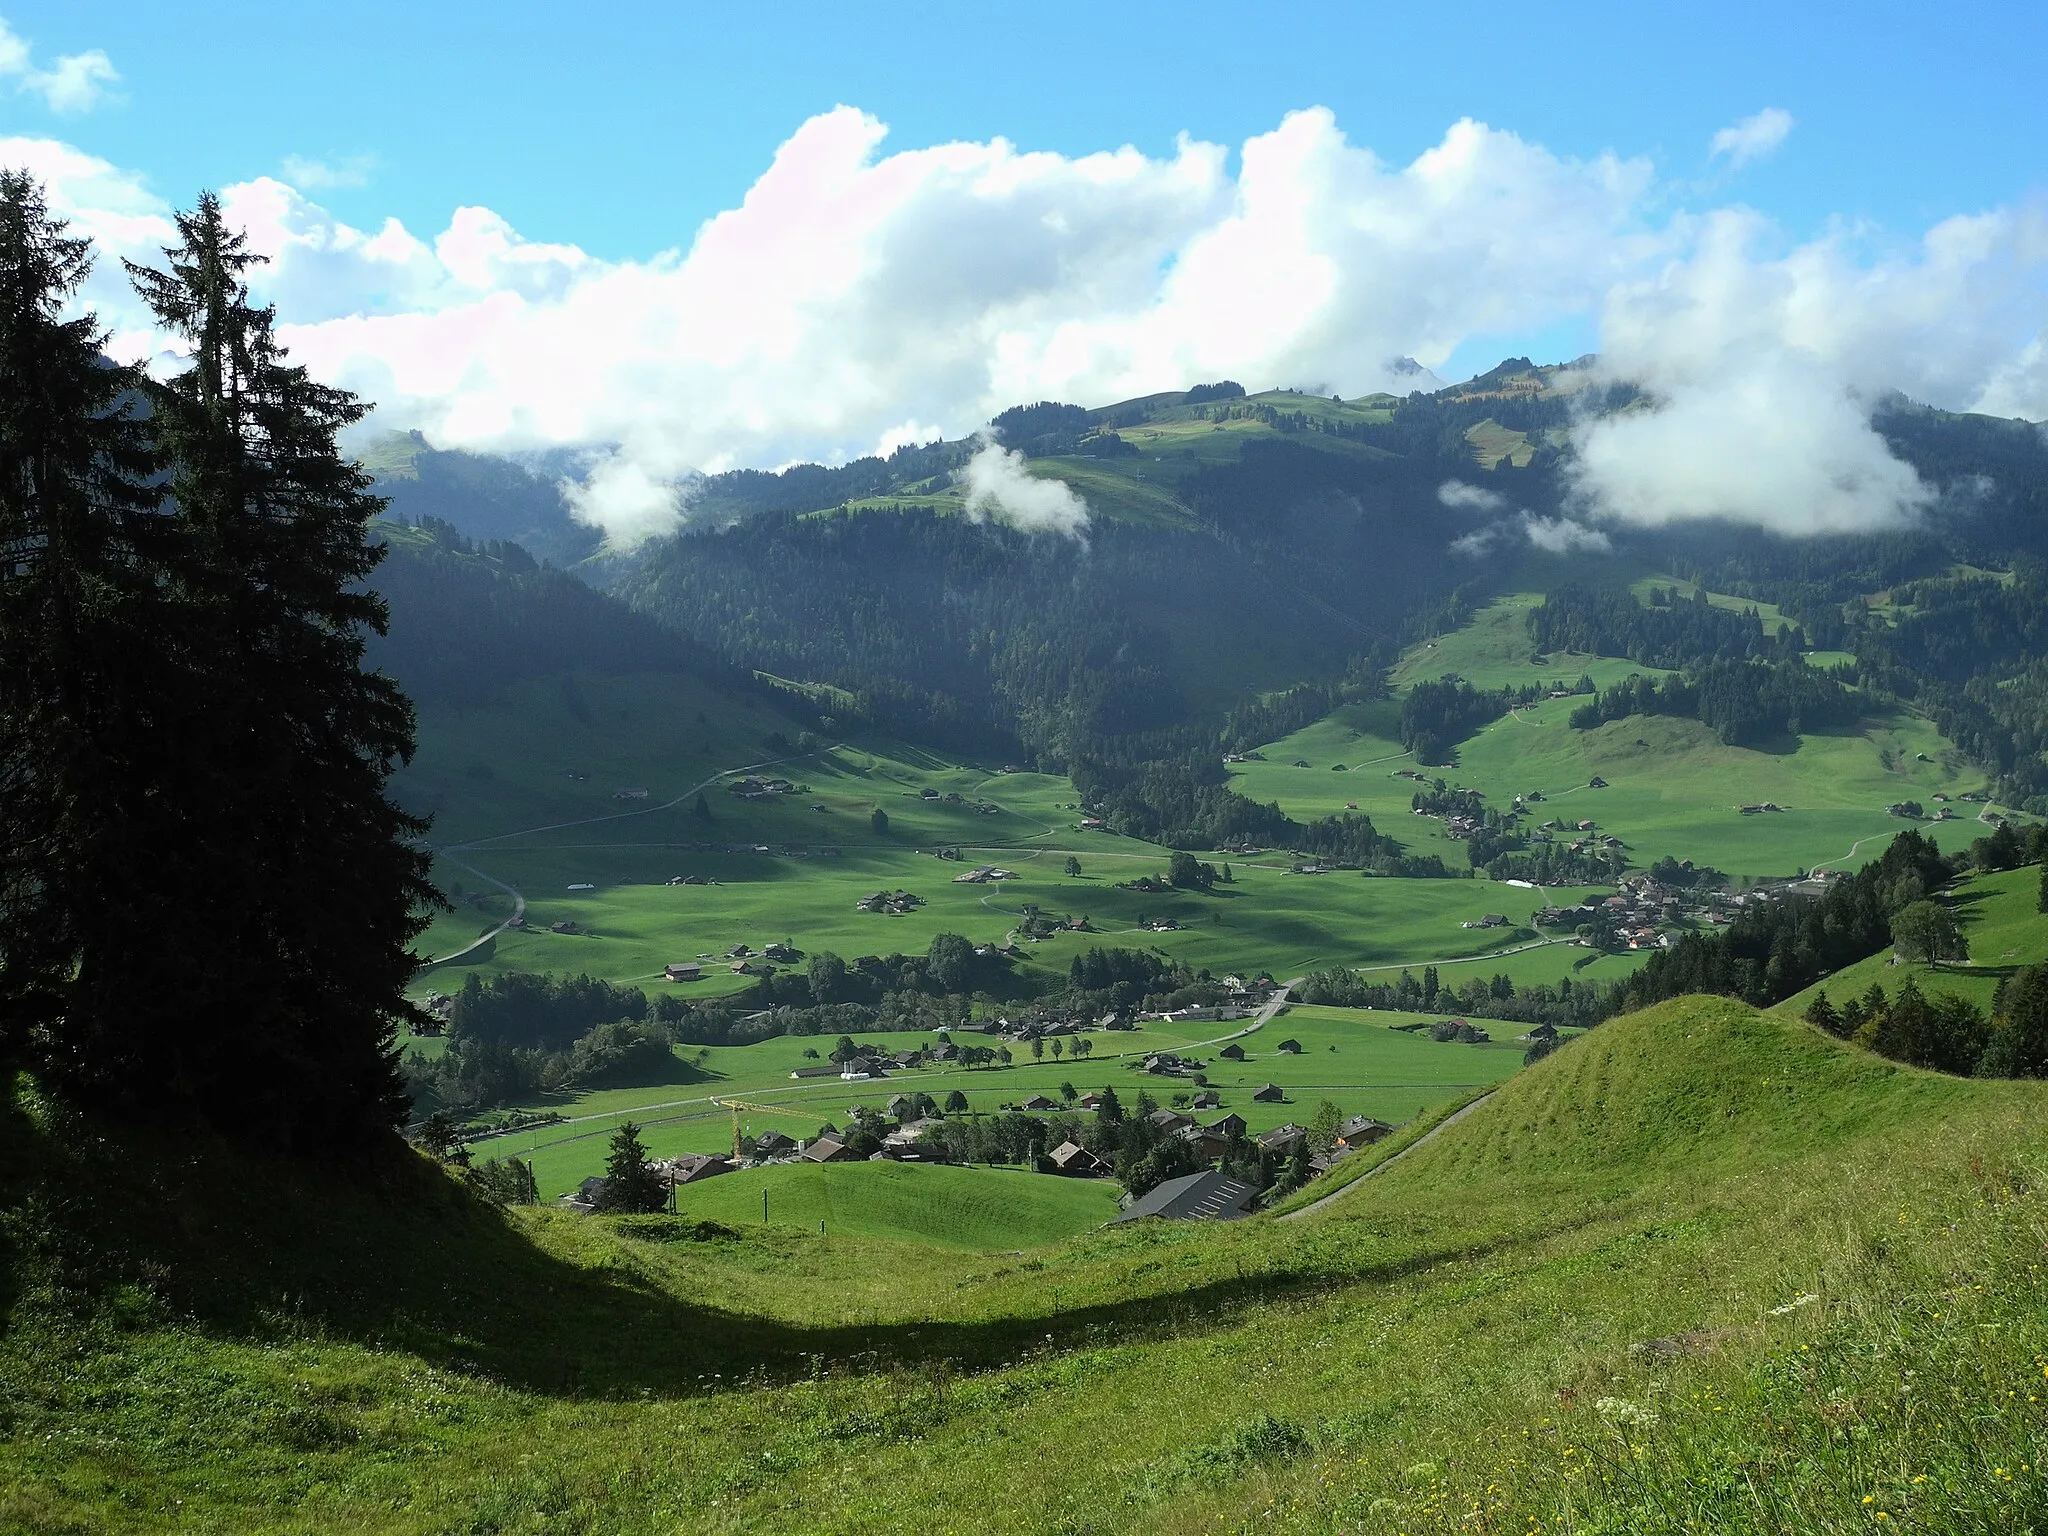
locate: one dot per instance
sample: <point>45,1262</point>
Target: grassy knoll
<point>1679,1275</point>
<point>1493,650</point>
<point>979,1208</point>
<point>2000,918</point>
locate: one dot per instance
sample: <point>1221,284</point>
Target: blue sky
<point>619,127</point>
<point>645,228</point>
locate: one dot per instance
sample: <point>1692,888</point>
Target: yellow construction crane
<point>737,1105</point>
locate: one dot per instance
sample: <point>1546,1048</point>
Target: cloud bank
<point>859,297</point>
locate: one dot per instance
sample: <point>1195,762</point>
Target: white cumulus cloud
<point>853,293</point>
<point>858,298</point>
<point>999,485</point>
<point>1763,370</point>
<point>1754,137</point>
<point>76,82</point>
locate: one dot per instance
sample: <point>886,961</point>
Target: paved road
<point>518,914</point>
<point>1423,1140</point>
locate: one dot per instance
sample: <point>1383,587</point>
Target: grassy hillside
<point>1677,1276</point>
<point>1673,788</point>
<point>2001,921</point>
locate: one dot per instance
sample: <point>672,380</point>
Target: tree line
<point>1745,703</point>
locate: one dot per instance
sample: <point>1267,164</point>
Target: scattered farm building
<point>1210,1196</point>
<point>1284,1139</point>
<point>829,1149</point>
<point>1076,1161</point>
<point>1362,1131</point>
<point>699,1167</point>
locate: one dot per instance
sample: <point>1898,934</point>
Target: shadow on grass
<point>391,1253</point>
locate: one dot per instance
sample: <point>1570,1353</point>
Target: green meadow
<point>977,1208</point>
<point>1492,650</point>
<point>1355,1058</point>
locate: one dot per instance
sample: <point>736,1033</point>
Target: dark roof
<point>1269,1093</point>
<point>1195,1197</point>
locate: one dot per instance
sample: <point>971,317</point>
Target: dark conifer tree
<point>258,978</point>
<point>79,543</point>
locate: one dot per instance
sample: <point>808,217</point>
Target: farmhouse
<point>1040,1102</point>
<point>1208,1098</point>
<point>1207,1196</point>
<point>912,1143</point>
<point>1229,1125</point>
<point>1284,1139</point>
<point>1168,1121</point>
<point>1269,1094</point>
<point>1075,1161</point>
<point>1207,1144</point>
<point>1232,1053</point>
<point>696,1168</point>
<point>683,970</point>
<point>1289,1047</point>
<point>829,1149</point>
<point>1362,1131</point>
<point>773,1144</point>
